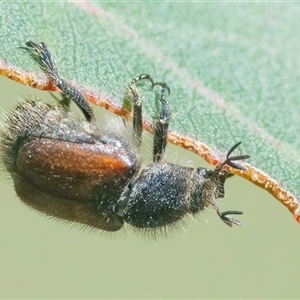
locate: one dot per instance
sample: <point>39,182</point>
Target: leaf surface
<point>233,70</point>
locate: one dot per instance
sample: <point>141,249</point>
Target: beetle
<point>77,171</point>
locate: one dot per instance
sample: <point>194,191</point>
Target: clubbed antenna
<point>225,216</point>
<point>229,160</point>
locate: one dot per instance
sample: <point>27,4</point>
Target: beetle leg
<point>133,98</point>
<point>42,56</point>
<point>161,126</point>
<point>64,102</point>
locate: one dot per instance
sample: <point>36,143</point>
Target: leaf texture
<point>233,70</point>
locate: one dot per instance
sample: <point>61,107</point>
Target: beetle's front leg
<point>161,126</point>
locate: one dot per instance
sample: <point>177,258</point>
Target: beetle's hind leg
<point>40,53</point>
<point>65,101</point>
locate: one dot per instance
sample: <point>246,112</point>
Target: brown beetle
<point>77,171</point>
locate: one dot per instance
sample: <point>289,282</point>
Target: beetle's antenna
<point>229,160</point>
<point>40,53</point>
<point>227,219</point>
<point>225,216</point>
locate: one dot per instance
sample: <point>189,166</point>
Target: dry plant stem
<point>253,174</point>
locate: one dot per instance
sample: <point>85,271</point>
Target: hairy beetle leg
<point>161,126</point>
<point>133,96</point>
<point>41,55</point>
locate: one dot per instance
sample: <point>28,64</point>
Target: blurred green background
<point>44,258</point>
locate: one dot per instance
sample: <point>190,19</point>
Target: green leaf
<point>233,68</point>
